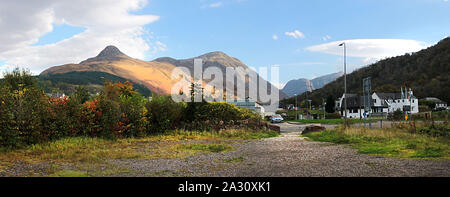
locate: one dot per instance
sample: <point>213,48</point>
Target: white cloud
<point>327,37</point>
<point>106,23</point>
<point>296,34</point>
<point>215,5</point>
<point>371,49</point>
<point>275,37</point>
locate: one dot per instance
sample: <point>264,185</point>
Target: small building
<point>249,104</point>
<point>439,103</point>
<point>381,104</point>
<point>56,95</point>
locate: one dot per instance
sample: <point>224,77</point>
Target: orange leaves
<point>91,105</point>
<point>115,90</point>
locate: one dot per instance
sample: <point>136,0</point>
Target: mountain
<point>222,61</point>
<point>156,74</point>
<point>93,81</point>
<point>297,86</point>
<point>300,86</point>
<point>319,82</point>
<point>426,72</point>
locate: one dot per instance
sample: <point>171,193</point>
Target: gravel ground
<point>286,156</point>
<point>289,156</point>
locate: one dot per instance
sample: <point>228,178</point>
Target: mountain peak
<point>111,51</point>
<point>214,54</point>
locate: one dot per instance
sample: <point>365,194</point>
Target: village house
<point>250,104</point>
<point>439,103</point>
<point>381,104</point>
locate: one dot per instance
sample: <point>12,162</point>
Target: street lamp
<point>345,80</point>
<point>295,108</point>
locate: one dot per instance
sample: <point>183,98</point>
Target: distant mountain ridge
<point>302,85</point>
<point>155,75</point>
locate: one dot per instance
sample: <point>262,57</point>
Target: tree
<point>81,94</point>
<point>329,107</point>
<point>19,79</point>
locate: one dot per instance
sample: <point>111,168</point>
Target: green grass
<point>70,173</point>
<point>226,134</point>
<point>233,160</point>
<point>391,142</point>
<point>213,148</point>
<point>331,121</point>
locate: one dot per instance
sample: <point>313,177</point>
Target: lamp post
<point>295,108</point>
<point>345,80</point>
<point>323,105</point>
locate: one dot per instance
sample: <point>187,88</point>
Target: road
<point>289,155</point>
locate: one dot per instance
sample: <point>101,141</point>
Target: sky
<point>301,37</point>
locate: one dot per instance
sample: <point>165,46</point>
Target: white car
<point>276,118</point>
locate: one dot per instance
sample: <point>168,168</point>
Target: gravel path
<point>288,155</point>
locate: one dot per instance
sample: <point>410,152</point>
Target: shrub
<point>163,114</point>
<point>397,115</point>
<point>219,111</point>
<point>23,110</point>
<point>435,130</point>
<point>333,116</point>
<point>133,115</point>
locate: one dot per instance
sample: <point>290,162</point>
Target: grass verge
<point>392,142</point>
<point>93,155</point>
<point>332,121</point>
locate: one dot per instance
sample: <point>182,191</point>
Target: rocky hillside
<point>300,86</point>
<point>156,74</point>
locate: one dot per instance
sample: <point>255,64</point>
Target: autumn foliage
<point>29,116</point>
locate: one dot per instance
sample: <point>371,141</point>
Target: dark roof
<point>436,100</point>
<point>355,101</point>
<point>389,96</point>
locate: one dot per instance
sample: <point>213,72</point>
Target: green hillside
<point>94,81</point>
<point>426,72</point>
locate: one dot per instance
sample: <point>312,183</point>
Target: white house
<point>439,103</point>
<point>250,104</point>
<point>381,104</point>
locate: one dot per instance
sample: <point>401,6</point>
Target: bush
<point>397,115</point>
<point>23,111</point>
<point>218,112</point>
<point>28,116</point>
<point>163,114</point>
<point>435,130</point>
<point>133,115</point>
<point>333,116</point>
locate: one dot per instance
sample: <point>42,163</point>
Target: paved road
<point>290,155</point>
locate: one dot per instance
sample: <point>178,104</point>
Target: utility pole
<point>345,81</point>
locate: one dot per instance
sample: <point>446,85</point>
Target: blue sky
<point>261,33</point>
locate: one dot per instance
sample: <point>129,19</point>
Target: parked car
<point>276,118</point>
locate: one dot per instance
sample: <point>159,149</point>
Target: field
<point>398,141</point>
<point>85,156</point>
<point>331,121</point>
